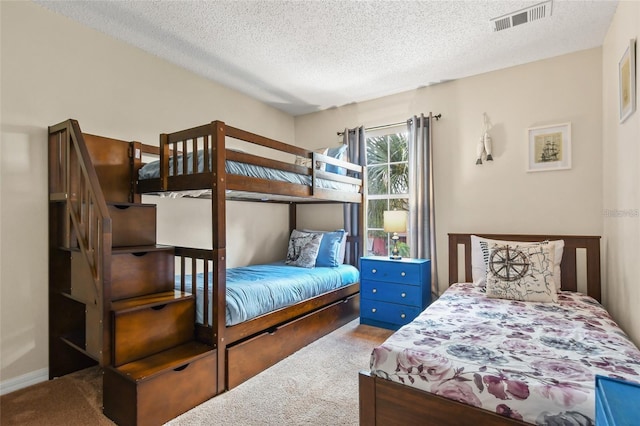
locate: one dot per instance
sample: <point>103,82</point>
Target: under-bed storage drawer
<point>248,358</point>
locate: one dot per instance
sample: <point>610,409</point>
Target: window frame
<point>388,196</point>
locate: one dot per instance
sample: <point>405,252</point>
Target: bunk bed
<point>479,357</point>
<point>223,163</point>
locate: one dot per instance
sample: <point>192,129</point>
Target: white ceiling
<point>305,56</point>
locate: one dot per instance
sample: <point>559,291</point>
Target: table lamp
<point>395,221</point>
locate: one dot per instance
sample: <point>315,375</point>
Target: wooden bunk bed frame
<point>384,402</point>
<point>248,348</point>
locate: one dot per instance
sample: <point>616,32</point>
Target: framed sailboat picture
<point>549,147</point>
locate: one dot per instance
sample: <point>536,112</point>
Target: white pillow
<point>480,257</point>
<point>522,272</point>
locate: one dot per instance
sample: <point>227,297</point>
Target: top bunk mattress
<point>152,171</point>
<point>259,289</point>
<point>530,361</point>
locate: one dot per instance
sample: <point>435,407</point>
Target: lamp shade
<point>395,221</point>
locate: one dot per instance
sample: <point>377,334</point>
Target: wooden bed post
<point>219,245</point>
<point>293,218</point>
<point>164,161</point>
<point>135,161</point>
<point>367,399</point>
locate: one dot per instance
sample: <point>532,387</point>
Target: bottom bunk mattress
<point>259,289</point>
<point>530,361</point>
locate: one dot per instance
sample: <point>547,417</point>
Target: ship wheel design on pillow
<point>508,263</point>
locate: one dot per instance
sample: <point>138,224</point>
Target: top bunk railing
<point>202,151</point>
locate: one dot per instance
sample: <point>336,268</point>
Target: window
<point>387,188</point>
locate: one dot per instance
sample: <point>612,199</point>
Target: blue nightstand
<point>393,292</point>
<point>617,402</point>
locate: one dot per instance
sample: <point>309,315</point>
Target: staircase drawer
<point>133,224</point>
<point>157,389</point>
<point>142,331</point>
<point>136,273</point>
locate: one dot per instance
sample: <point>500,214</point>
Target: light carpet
<point>317,385</point>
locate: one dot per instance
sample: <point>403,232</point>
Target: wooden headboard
<point>568,266</point>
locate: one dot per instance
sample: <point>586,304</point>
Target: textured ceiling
<point>305,56</point>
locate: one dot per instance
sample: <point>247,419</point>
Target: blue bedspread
<point>259,289</point>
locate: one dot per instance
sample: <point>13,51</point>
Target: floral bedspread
<point>530,361</point>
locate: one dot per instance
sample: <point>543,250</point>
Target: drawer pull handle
<point>373,310</point>
<point>403,274</point>
<point>402,316</point>
<point>404,295</point>
<point>158,307</point>
<point>375,290</point>
<point>373,271</point>
<point>181,367</point>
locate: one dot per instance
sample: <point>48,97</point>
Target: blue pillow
<point>329,252</point>
<point>336,152</point>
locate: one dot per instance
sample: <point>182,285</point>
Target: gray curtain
<point>422,231</point>
<point>355,140</point>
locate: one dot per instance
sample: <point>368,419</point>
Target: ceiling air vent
<point>522,16</point>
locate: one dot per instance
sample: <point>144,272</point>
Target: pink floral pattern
<point>525,360</point>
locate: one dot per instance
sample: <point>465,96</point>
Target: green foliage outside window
<point>388,187</point>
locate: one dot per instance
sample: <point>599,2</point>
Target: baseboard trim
<point>26,380</point>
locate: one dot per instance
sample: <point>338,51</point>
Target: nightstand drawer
<point>394,271</point>
<point>391,292</point>
<point>390,313</point>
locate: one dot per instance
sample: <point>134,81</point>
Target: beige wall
<point>621,173</point>
<point>499,196</point>
<point>54,69</point>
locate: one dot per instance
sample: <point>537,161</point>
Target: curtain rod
<point>384,126</point>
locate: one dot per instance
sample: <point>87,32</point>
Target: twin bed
<point>474,359</point>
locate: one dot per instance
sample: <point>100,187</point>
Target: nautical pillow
<point>480,257</point>
<point>521,272</point>
<point>303,249</point>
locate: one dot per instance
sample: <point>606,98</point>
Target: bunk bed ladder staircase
<point>112,297</point>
